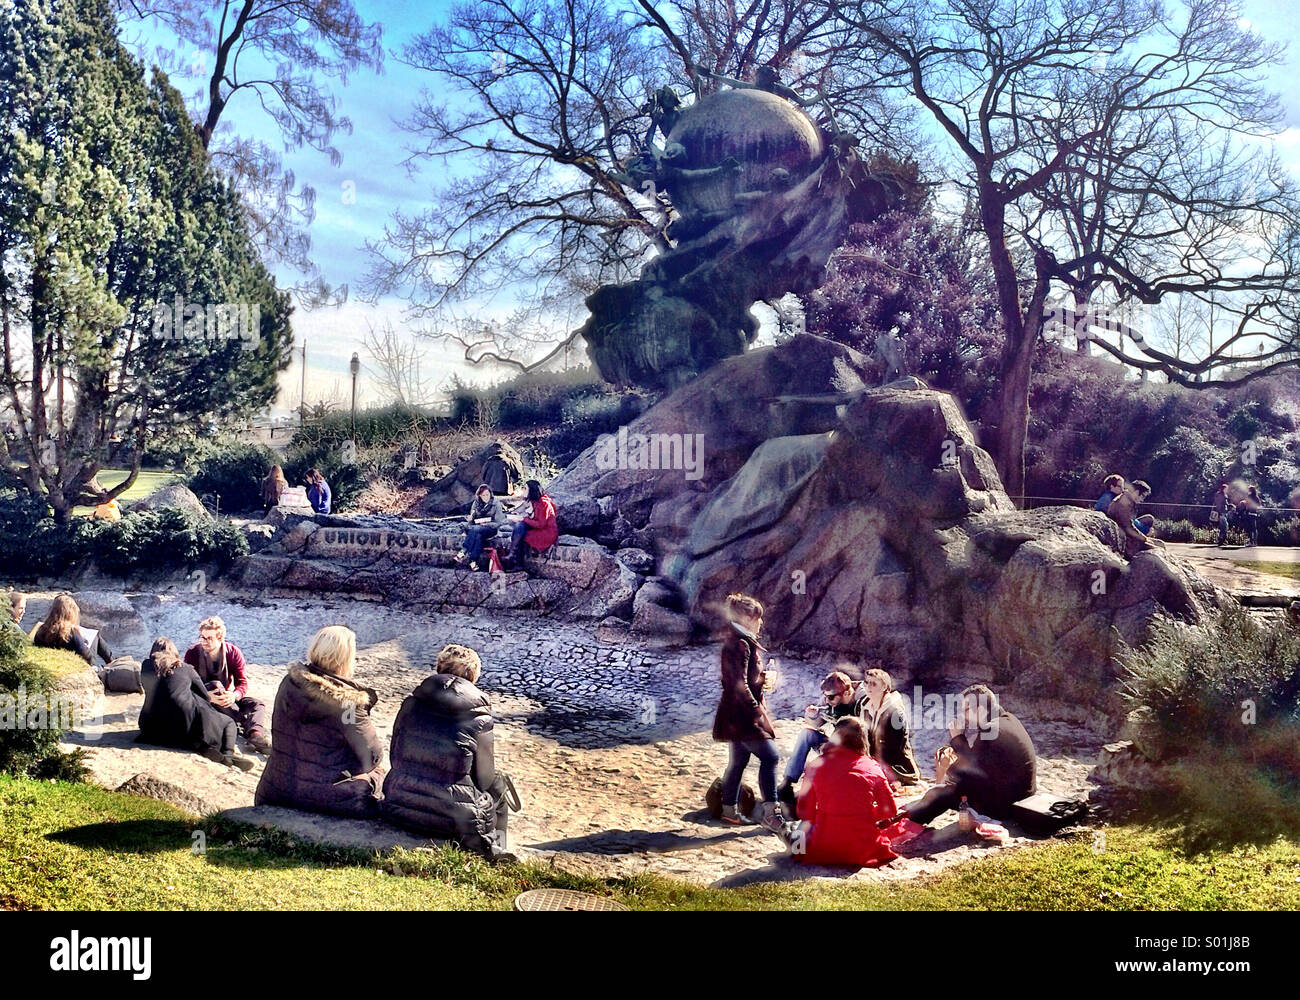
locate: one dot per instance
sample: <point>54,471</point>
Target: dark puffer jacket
<point>325,752</point>
<point>443,770</point>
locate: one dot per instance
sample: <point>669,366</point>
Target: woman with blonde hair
<point>62,630</point>
<point>444,781</point>
<point>325,754</point>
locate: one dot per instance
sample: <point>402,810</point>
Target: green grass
<point>1288,569</point>
<point>145,484</point>
<point>56,662</point>
<point>68,846</point>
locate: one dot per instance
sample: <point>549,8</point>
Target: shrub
<point>346,479</point>
<point>1220,704</point>
<point>30,752</point>
<point>234,471</point>
<point>170,538</point>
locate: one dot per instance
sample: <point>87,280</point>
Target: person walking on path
<point>742,720</point>
<point>1220,513</point>
<point>1248,510</point>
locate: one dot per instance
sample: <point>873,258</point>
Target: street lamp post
<point>356,369</point>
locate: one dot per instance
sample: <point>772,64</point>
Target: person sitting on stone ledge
<point>318,492</point>
<point>1139,532</point>
<point>1111,487</point>
<point>444,781</point>
<point>220,666</point>
<point>327,756</point>
<point>889,736</point>
<point>177,712</point>
<point>538,529</point>
<point>485,516</point>
<point>847,796</point>
<point>62,630</point>
<point>989,761</point>
<point>273,486</point>
<point>841,698</point>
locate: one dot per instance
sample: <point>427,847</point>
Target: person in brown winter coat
<point>742,719</point>
<point>326,754</point>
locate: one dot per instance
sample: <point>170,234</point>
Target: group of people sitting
<point>843,811</point>
<point>318,490</point>
<point>534,527</point>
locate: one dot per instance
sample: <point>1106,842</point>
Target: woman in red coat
<point>847,794</point>
<point>538,531</point>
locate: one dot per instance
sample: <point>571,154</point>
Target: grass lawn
<point>145,483</point>
<point>1288,569</point>
<point>70,846</point>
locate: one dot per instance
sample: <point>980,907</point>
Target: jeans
<point>249,715</point>
<point>807,741</point>
<point>1223,529</point>
<point>517,539</point>
<point>740,752</point>
<point>475,537</point>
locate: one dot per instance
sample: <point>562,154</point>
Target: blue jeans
<point>807,741</point>
<point>517,539</point>
<point>740,752</point>
<point>475,536</point>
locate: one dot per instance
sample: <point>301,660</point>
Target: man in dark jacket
<point>841,698</point>
<point>443,781</point>
<point>220,666</point>
<point>497,472</point>
<point>989,761</point>
<point>327,754</point>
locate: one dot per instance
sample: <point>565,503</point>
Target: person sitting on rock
<point>220,665</point>
<point>485,516</point>
<point>272,487</point>
<point>847,796</point>
<point>444,781</point>
<point>989,761</point>
<point>177,712</point>
<point>841,697</point>
<point>318,492</point>
<point>1139,532</point>
<point>538,529</point>
<point>1111,487</point>
<point>889,735</point>
<point>327,756</point>
<point>742,720</point>
<point>62,630</point>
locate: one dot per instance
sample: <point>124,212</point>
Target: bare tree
<point>397,373</point>
<point>279,55</point>
<point>1119,145</point>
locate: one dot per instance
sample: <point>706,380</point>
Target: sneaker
<point>240,761</point>
<point>771,818</point>
<point>731,815</point>
<point>473,567</point>
<point>258,742</point>
<point>460,558</point>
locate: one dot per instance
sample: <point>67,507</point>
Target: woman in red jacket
<point>847,794</point>
<point>539,530</point>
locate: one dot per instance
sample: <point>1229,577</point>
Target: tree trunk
<point>1013,418</point>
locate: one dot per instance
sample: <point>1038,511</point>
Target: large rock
<point>173,495</point>
<point>453,493</point>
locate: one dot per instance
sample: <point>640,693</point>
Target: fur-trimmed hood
<point>329,690</point>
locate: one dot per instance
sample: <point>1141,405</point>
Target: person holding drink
<point>841,698</point>
<point>742,719</point>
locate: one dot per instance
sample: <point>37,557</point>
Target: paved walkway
<point>609,743</point>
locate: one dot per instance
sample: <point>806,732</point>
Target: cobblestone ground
<point>608,743</point>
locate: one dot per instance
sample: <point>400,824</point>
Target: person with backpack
<point>177,711</point>
<point>742,720</point>
<point>443,780</point>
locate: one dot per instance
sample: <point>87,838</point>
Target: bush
<point>32,546</point>
<point>234,471</point>
<point>346,479</point>
<point>1220,703</point>
<point>30,752</point>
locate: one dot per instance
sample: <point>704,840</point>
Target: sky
<point>357,197</point>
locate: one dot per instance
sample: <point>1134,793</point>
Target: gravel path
<point>609,743</point>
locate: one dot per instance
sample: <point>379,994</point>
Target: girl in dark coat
<point>325,753</point>
<point>889,738</point>
<point>742,719</point>
<point>177,712</point>
<point>444,781</point>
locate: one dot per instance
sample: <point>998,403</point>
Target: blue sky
<point>371,172</point>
